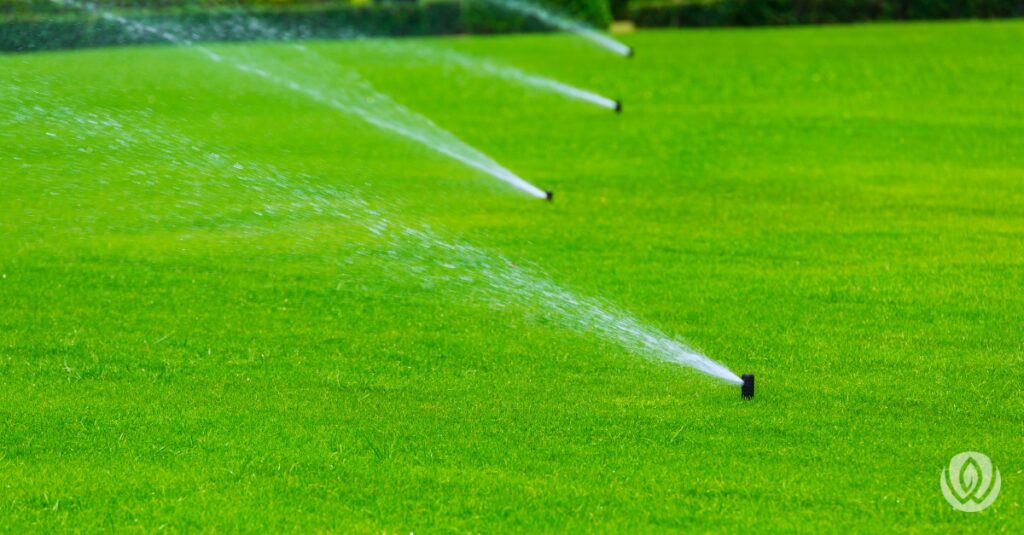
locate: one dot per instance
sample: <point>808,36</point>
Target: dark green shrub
<point>594,12</point>
<point>485,17</point>
<point>780,12</point>
<point>440,18</point>
<point>89,30</point>
<point>619,9</point>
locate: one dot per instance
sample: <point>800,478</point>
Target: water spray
<point>494,278</point>
<point>385,113</point>
<point>446,56</point>
<point>565,23</point>
<point>512,74</point>
<point>470,272</point>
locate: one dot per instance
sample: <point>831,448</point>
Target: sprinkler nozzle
<point>747,390</point>
<point>549,196</point>
<point>618,106</point>
<point>629,52</point>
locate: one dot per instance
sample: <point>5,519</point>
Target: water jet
<point>565,23</point>
<point>358,97</point>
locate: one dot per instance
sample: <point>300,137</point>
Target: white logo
<point>970,484</point>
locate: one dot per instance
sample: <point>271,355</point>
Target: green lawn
<point>839,210</point>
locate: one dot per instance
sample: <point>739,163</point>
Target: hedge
<point>49,6</point>
<point>51,32</point>
<point>784,12</point>
<point>619,9</point>
<point>46,28</point>
<point>593,12</point>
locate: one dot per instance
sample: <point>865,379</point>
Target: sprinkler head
<point>618,106</point>
<point>549,196</point>
<point>747,391</point>
<point>629,52</point>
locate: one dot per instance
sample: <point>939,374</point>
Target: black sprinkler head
<point>549,196</point>
<point>748,386</point>
<point>618,106</point>
<point>629,52</point>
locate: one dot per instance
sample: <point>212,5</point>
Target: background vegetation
<point>784,12</point>
<point>41,24</point>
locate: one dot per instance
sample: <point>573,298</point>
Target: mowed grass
<point>839,210</point>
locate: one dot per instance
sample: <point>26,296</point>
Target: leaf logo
<point>970,483</point>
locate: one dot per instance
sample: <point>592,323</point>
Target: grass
<point>837,209</point>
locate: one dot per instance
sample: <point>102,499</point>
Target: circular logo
<point>970,483</point>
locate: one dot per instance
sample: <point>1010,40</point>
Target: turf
<point>839,210</point>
